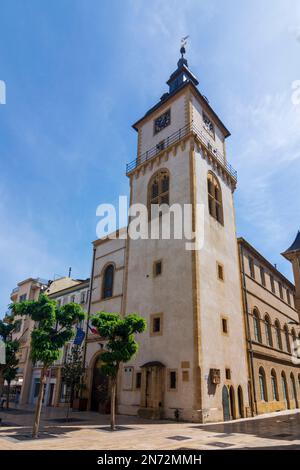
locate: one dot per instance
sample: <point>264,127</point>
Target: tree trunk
<point>38,408</point>
<point>1,383</point>
<point>113,404</point>
<point>7,394</point>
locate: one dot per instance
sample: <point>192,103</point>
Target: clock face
<point>208,124</point>
<point>162,121</point>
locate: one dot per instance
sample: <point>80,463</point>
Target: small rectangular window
<point>220,270</point>
<point>173,380</point>
<point>228,374</point>
<point>288,296</point>
<point>224,325</point>
<point>138,380</point>
<point>156,324</point>
<point>280,290</point>
<point>72,298</point>
<point>22,297</point>
<point>262,276</point>
<point>82,297</point>
<point>272,283</point>
<point>157,269</point>
<point>251,267</point>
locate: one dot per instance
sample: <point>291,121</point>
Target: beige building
<point>204,356</point>
<point>24,386</point>
<point>272,325</point>
<point>191,300</point>
<point>29,289</point>
<point>63,290</point>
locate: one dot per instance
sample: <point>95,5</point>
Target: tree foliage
<point>8,371</point>
<point>73,369</point>
<point>121,345</point>
<point>54,326</point>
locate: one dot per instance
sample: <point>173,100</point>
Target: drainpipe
<point>249,340</point>
<point>90,291</point>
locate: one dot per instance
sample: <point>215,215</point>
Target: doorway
<point>241,402</point>
<point>50,394</point>
<point>226,405</point>
<point>285,392</point>
<point>232,402</point>
<point>100,399</point>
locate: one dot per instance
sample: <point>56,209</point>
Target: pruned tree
<point>73,371</point>
<point>9,367</point>
<point>54,327</point>
<point>121,346</point>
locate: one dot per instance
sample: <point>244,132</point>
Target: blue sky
<point>80,72</point>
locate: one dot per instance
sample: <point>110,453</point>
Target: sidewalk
<point>89,430</point>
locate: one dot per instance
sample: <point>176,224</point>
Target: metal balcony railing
<point>173,139</point>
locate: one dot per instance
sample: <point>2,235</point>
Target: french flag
<point>93,330</point>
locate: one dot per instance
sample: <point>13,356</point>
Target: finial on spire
<point>183,44</point>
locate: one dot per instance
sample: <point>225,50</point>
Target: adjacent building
<point>26,385</point>
<point>272,326</point>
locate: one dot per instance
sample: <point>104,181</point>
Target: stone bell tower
<point>192,357</point>
<point>292,254</point>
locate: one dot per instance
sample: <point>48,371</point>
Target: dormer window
<point>208,125</point>
<point>162,121</point>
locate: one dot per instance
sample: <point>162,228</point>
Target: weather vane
<point>183,44</point>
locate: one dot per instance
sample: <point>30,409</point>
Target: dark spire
<point>293,248</point>
<point>182,74</point>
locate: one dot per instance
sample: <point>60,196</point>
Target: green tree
<point>121,346</point>
<point>54,327</point>
<point>73,371</point>
<point>8,370</point>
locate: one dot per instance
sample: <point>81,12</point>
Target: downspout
<point>248,335</point>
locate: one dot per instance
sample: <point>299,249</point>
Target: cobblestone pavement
<point>88,430</point>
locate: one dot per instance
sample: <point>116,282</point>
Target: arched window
<point>287,338</point>
<point>215,204</point>
<point>108,281</point>
<point>274,385</point>
<point>278,335</point>
<point>256,326</point>
<point>293,387</point>
<point>268,331</point>
<point>262,385</point>
<point>284,389</point>
<point>158,189</point>
<point>294,336</point>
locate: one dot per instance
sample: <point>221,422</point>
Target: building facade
<point>272,324</point>
<point>66,290</point>
<point>203,357</point>
<point>26,385</point>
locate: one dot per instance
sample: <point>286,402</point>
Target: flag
<point>93,330</point>
<point>79,337</point>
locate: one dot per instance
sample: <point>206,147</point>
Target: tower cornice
<point>171,96</point>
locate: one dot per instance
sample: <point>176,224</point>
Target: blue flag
<point>79,337</point>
